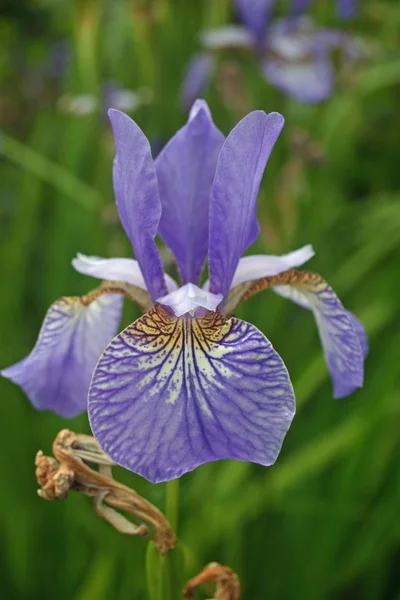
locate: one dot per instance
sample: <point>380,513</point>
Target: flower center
<point>189,298</point>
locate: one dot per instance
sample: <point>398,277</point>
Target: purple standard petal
<point>233,219</point>
<point>56,374</point>
<point>347,8</point>
<point>299,7</point>
<point>170,394</point>
<point>138,202</point>
<point>255,14</point>
<point>185,171</point>
<point>197,78</point>
<point>342,335</point>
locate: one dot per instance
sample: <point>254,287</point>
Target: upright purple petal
<point>197,78</point>
<point>255,14</point>
<point>347,8</point>
<point>342,335</point>
<point>138,202</point>
<point>185,171</point>
<point>171,394</point>
<point>299,7</point>
<point>233,219</point>
<point>56,374</point>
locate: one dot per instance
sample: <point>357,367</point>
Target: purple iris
<point>345,8</point>
<point>187,383</point>
<point>293,54</point>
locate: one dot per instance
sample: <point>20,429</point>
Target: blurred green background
<point>324,521</point>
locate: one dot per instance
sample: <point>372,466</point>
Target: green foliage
<point>323,522</point>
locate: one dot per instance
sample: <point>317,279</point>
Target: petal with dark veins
<point>56,374</point>
<point>170,394</point>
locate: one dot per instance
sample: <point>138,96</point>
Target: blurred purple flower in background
<point>186,383</point>
<point>112,95</point>
<point>346,9</point>
<point>293,53</point>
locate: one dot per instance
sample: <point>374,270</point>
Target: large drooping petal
<point>197,78</point>
<point>57,373</point>
<point>138,202</point>
<point>255,14</point>
<point>297,296</point>
<point>342,335</point>
<point>233,219</point>
<point>170,394</point>
<point>185,171</point>
<point>116,269</point>
<point>256,266</point>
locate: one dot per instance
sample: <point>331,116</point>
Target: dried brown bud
<point>55,479</point>
<point>71,471</point>
<point>228,584</point>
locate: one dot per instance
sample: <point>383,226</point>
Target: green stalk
<point>172,503</point>
<point>63,180</point>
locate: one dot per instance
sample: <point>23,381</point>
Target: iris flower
<point>186,383</point>
<point>345,8</point>
<point>293,54</point>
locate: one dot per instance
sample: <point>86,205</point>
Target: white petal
<point>227,36</point>
<point>188,298</point>
<point>116,269</point>
<point>292,293</point>
<point>254,267</point>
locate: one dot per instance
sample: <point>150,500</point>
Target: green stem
<point>52,173</point>
<point>172,503</point>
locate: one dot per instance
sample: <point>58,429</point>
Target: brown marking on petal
<point>141,297</point>
<point>160,325</point>
<point>246,290</point>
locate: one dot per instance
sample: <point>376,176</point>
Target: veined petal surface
<point>56,374</point>
<point>116,269</point>
<point>233,219</point>
<point>170,394</point>
<point>185,171</point>
<point>260,265</point>
<point>342,335</point>
<point>297,296</point>
<point>138,201</point>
